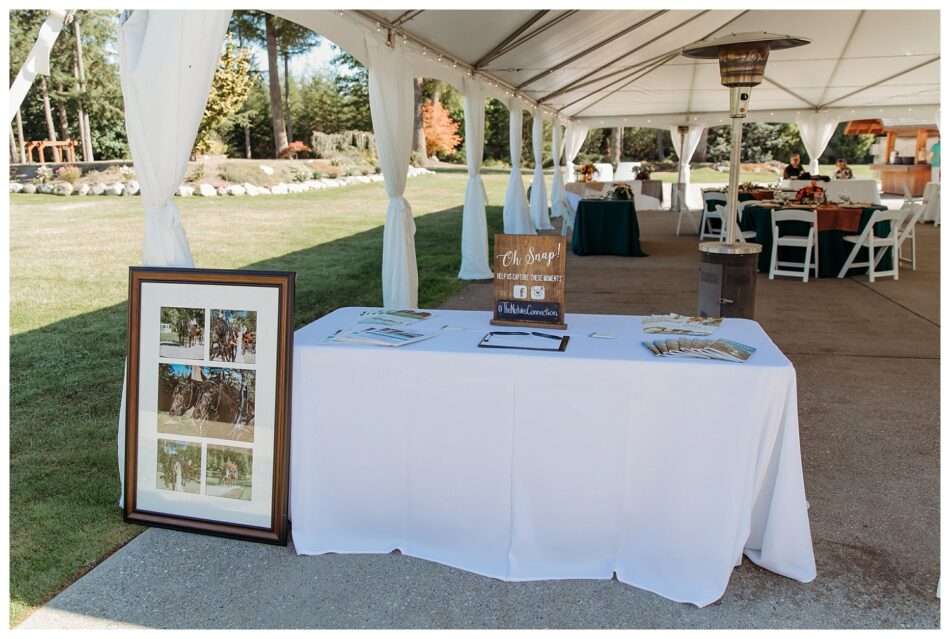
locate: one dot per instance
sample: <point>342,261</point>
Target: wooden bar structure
<point>895,172</point>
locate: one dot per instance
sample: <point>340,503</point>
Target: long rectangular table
<point>855,190</point>
<point>606,227</point>
<point>525,465</point>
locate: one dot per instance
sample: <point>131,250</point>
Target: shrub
<point>241,172</point>
<point>294,149</point>
<point>127,172</point>
<point>299,174</point>
<point>43,175</point>
<point>69,174</point>
<point>196,173</point>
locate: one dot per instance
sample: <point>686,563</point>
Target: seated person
<point>842,170</point>
<point>794,169</point>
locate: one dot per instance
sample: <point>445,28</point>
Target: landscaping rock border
<point>132,187</point>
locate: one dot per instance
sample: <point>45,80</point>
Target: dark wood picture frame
<point>277,532</point>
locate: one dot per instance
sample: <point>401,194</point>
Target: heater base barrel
<point>727,275</point>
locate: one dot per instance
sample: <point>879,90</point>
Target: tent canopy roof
<point>612,64</point>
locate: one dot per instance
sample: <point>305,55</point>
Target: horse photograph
<point>179,466</point>
<point>181,333</point>
<point>233,336</point>
<point>206,401</point>
<point>228,472</point>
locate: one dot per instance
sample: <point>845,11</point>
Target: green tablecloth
<point>833,251</point>
<point>606,227</point>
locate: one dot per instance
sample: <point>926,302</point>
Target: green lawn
<point>69,261</point>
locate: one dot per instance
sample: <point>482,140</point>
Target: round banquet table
<point>834,222</point>
<point>606,227</point>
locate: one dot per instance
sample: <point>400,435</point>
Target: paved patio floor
<point>867,358</point>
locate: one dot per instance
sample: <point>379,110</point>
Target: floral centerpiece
<point>811,194</point>
<point>587,172</point>
<point>621,192</point>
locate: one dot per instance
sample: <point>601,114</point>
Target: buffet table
<point>606,227</point>
<point>855,190</point>
<point>527,465</point>
<point>834,222</point>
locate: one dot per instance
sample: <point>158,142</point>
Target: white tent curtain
<point>558,205</point>
<point>688,142</point>
<point>165,82</point>
<point>37,61</point>
<point>474,227</point>
<point>574,140</point>
<point>391,103</point>
<point>539,193</point>
<point>816,130</point>
<point>517,216</point>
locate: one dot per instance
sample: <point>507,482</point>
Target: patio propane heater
<point>727,268</point>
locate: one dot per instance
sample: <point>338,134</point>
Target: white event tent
<point>580,69</point>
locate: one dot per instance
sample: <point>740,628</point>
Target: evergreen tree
<point>352,82</point>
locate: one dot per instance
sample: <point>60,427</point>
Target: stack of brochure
<point>673,324</point>
<point>721,349</point>
<point>385,328</point>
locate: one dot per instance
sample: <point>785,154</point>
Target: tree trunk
<point>289,114</point>
<point>660,146</point>
<point>437,92</point>
<point>418,132</point>
<point>247,141</point>
<point>14,152</point>
<point>276,110</point>
<point>48,112</point>
<point>20,138</point>
<point>700,154</point>
<point>616,144</point>
<point>85,134</point>
<point>63,116</point>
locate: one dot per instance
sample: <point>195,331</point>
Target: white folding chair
<point>907,230</point>
<point>808,242</point>
<point>876,246</point>
<point>741,235</point>
<point>712,200</point>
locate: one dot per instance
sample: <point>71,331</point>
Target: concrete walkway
<point>867,358</point>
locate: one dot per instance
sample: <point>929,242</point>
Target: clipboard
<point>531,341</point>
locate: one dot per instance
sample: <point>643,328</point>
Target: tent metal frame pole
<point>496,50</point>
<point>844,50</point>
<point>640,65</point>
<point>407,16</point>
<point>571,85</point>
<point>586,52</point>
<point>533,34</point>
<point>879,82</point>
<point>636,77</point>
<point>790,92</point>
<point>383,23</point>
<point>516,40</point>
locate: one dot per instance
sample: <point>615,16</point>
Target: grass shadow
<point>65,386</point>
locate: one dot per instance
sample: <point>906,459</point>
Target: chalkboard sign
<point>529,280</point>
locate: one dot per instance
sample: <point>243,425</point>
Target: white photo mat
<point>262,300</point>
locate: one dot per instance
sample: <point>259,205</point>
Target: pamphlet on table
<point>674,324</point>
<point>721,349</point>
<point>385,328</point>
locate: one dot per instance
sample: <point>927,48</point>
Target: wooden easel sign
<point>529,280</point>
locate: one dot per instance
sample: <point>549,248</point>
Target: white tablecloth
<point>857,190</point>
<point>931,203</point>
<point>527,465</point>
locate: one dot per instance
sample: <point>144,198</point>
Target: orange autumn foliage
<point>440,129</point>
